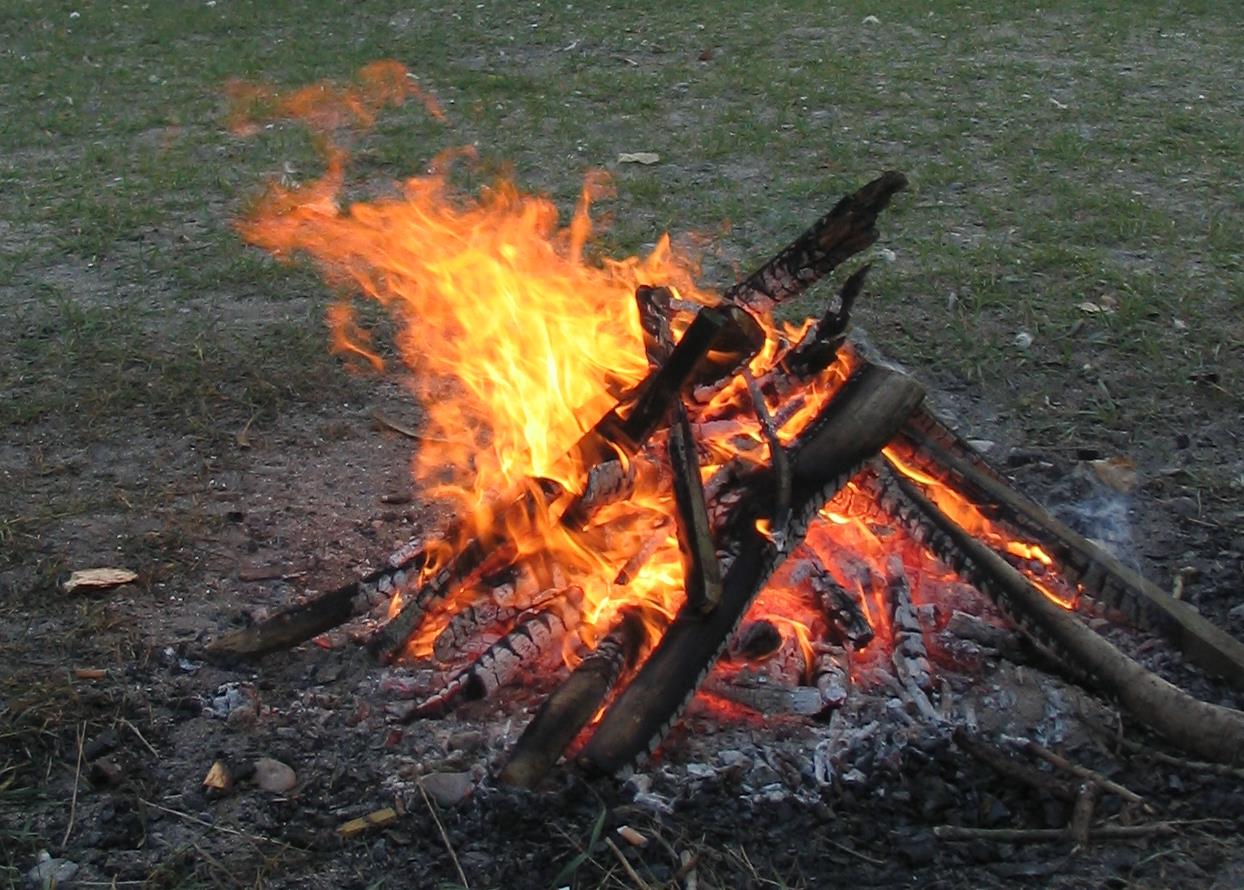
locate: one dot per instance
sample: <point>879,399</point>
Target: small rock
<point>49,872</point>
<point>97,580</point>
<point>700,771</point>
<point>273,776</point>
<point>871,20</point>
<point>105,772</point>
<point>1023,339</point>
<point>638,157</point>
<point>448,789</point>
<point>467,740</point>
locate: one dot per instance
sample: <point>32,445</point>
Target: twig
<point>221,828</point>
<point>626,866</point>
<point>1217,769</point>
<point>77,776</point>
<point>396,427</point>
<point>444,837</point>
<point>134,729</point>
<point>1012,769</point>
<point>1082,813</point>
<point>777,455</point>
<point>1082,772</point>
<point>1049,835</point>
<point>856,853</point>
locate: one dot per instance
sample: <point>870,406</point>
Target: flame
<point>517,341</point>
<point>963,512</point>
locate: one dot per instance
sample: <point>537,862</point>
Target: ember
<point>638,465</point>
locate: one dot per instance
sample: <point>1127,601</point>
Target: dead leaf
<point>218,778</point>
<point>638,157</point>
<point>1118,473</point>
<point>97,579</point>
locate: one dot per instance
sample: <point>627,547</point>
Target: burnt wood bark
<point>857,424</point>
<point>1102,576</point>
<point>291,626</point>
<point>569,707</point>
<point>846,230</point>
<point>1206,730</point>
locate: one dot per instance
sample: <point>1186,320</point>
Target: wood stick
<point>846,230</point>
<point>1050,835</point>
<point>1082,812</point>
<point>1083,562</point>
<point>1207,730</point>
<point>289,627</point>
<point>859,422</point>
<point>1080,772</point>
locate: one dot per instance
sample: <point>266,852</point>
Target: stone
<point>49,872</point>
<point>448,789</point>
<point>273,776</point>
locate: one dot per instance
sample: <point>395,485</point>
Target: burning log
<point>846,230</point>
<point>1100,574</point>
<point>864,416</point>
<point>1207,730</point>
<point>841,610</point>
<point>487,611</point>
<point>568,709</point>
<point>501,662</point>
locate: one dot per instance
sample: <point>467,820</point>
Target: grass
<point>1086,153</point>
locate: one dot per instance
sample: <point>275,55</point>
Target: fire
<point>517,341</point>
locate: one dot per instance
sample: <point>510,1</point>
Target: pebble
<point>274,776</point>
<point>49,872</point>
<point>448,789</point>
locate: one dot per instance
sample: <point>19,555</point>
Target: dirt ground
<point>170,407</point>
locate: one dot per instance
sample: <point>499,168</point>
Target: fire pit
<point>647,476</point>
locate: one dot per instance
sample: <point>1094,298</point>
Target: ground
<point>1065,273</point>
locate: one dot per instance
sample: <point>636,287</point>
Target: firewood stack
<point>866,441</point>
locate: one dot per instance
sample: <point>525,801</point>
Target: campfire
<point>660,490</point>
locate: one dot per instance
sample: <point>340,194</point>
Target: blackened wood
<point>846,230</point>
<point>701,570</point>
<point>1101,575</point>
<point>864,417</point>
<point>841,610</point>
<point>655,305</point>
<point>1206,730</point>
<point>289,627</point>
<point>819,348</point>
<point>779,460</point>
<point>910,656</point>
<point>569,708</point>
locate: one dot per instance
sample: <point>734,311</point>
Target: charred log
<point>568,709</point>
<point>695,536</point>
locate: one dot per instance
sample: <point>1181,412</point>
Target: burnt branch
<point>1206,730</point>
<point>701,570</point>
<point>846,230</point>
